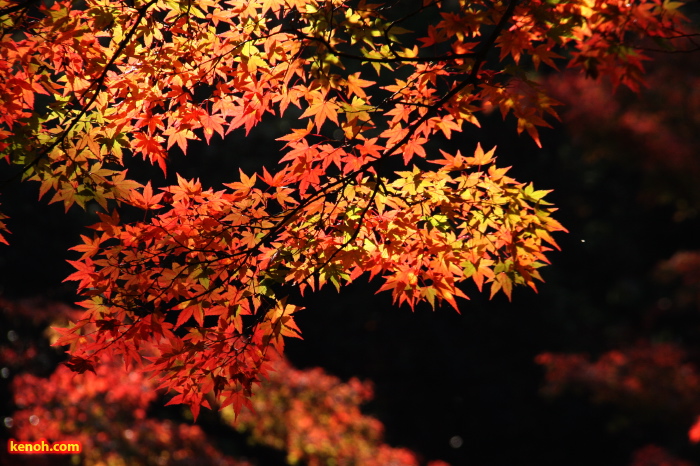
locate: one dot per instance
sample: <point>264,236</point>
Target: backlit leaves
<point>204,278</point>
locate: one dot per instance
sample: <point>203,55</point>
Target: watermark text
<point>43,447</point>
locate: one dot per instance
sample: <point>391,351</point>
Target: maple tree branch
<point>479,58</point>
<point>85,107</point>
<point>390,25</point>
<point>243,256</point>
<point>355,232</point>
<point>692,50</point>
<point>19,6</point>
<point>690,37</point>
<point>395,59</point>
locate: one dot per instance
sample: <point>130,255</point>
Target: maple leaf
<point>246,184</point>
<point>356,84</point>
<point>321,109</point>
<point>89,248</point>
<point>80,365</point>
<point>211,124</point>
<point>179,136</point>
<point>456,162</point>
<point>297,134</point>
<point>480,157</point>
<point>152,148</point>
<point>370,148</point>
<point>145,200</point>
<point>3,228</point>
<point>414,146</point>
<point>112,80</point>
<point>85,273</point>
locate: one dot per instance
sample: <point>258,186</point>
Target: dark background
<point>471,377</point>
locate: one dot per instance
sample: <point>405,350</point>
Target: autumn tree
<point>197,288</point>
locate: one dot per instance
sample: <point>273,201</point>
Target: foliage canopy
<point>198,290</point>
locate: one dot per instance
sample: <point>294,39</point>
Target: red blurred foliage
<point>643,377</point>
<point>683,268</point>
<point>106,412</point>
<point>652,455</point>
<point>654,132</point>
<point>655,137</point>
<point>694,432</point>
<point>28,354</point>
<point>316,418</point>
<point>39,312</point>
<point>647,379</point>
<point>311,415</point>
<point>685,264</point>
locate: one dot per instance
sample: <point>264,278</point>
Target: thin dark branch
<point>18,7</point>
<point>95,84</point>
<point>479,58</point>
<point>395,59</point>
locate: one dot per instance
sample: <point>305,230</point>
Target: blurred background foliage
<point>599,367</point>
